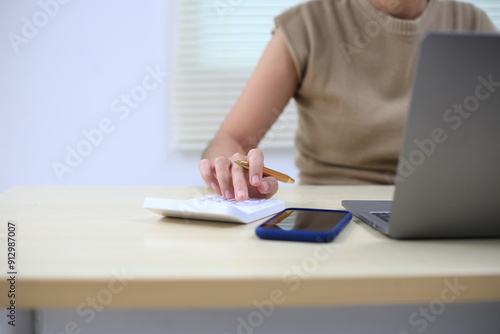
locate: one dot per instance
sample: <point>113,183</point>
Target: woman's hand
<point>232,181</point>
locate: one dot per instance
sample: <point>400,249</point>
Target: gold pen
<point>267,172</point>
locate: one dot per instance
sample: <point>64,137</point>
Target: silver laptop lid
<point>448,182</point>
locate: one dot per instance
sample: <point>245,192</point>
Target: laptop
<point>448,178</point>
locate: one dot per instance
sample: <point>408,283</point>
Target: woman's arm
<point>268,91</point>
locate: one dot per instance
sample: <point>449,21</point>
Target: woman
<point>349,66</point>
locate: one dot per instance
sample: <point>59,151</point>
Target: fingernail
<point>242,194</point>
<point>213,186</point>
<point>228,194</point>
<point>264,186</point>
<point>255,180</point>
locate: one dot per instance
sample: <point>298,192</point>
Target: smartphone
<point>300,224</point>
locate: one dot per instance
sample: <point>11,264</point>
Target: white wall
<point>63,81</point>
<point>65,66</point>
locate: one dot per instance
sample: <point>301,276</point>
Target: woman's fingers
<point>256,160</point>
<point>268,187</point>
<point>223,171</point>
<point>207,172</point>
<point>239,176</point>
<point>232,181</point>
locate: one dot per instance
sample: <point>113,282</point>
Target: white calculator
<point>216,208</point>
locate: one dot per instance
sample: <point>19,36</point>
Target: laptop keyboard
<point>384,215</point>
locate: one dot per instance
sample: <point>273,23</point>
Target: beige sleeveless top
<point>355,66</point>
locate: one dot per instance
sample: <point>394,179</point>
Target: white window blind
<point>217,45</point>
<point>491,7</point>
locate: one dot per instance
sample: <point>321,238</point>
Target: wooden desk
<point>78,245</point>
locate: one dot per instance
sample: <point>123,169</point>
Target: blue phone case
<point>303,235</point>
